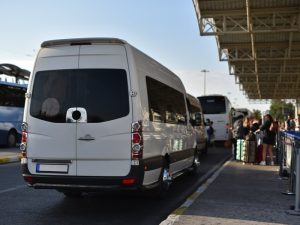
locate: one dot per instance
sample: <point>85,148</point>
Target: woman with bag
<point>269,129</point>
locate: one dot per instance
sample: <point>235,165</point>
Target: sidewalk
<point>9,155</point>
<point>240,194</point>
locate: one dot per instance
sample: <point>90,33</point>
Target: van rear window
<point>103,93</point>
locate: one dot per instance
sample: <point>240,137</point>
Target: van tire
<point>194,169</point>
<point>11,139</point>
<point>72,194</point>
<point>164,182</point>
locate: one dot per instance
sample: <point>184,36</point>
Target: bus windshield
<point>12,100</point>
<point>213,104</point>
<point>12,95</point>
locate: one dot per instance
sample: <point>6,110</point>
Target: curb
<point>10,159</point>
<point>174,216</point>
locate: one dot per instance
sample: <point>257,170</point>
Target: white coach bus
<point>217,108</point>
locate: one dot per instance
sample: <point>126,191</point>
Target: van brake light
<point>136,142</point>
<point>23,144</point>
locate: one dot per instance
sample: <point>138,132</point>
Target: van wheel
<point>11,139</point>
<point>72,194</point>
<point>165,181</point>
<point>196,164</point>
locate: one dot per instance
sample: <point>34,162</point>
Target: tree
<point>280,109</point>
<point>256,114</point>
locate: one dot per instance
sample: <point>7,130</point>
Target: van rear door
<point>104,137</point>
<point>51,141</point>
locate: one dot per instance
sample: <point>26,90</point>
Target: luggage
<point>250,151</point>
<point>240,150</point>
<point>259,153</point>
<point>246,150</point>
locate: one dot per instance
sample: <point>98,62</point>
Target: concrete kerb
<point>10,158</point>
<point>207,179</point>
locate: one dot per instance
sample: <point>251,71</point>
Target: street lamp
<point>204,71</point>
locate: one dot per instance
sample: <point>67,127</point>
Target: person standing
<point>210,132</point>
<point>238,133</point>
<point>268,138</point>
<point>290,124</point>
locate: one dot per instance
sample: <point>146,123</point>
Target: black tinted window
<point>11,95</point>
<point>103,93</point>
<point>166,104</point>
<point>194,112</point>
<point>213,104</point>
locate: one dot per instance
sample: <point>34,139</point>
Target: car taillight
<point>136,142</point>
<point>23,144</point>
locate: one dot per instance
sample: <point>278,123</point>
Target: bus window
<point>12,102</point>
<point>213,104</point>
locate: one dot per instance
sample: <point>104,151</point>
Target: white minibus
<point>197,120</point>
<point>101,114</point>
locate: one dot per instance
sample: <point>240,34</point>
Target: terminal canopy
<point>260,40</point>
<point>13,70</point>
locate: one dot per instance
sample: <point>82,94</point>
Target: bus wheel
<point>11,139</point>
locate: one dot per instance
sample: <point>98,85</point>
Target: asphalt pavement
<point>237,193</point>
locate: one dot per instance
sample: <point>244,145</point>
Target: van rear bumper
<point>88,183</point>
<point>61,182</point>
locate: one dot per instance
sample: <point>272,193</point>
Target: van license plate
<point>52,168</point>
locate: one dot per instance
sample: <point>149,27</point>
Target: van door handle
<point>87,137</point>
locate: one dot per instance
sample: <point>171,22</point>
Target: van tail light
<point>23,145</point>
<point>128,181</point>
<point>136,142</point>
<point>28,179</point>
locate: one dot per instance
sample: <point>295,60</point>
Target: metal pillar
<point>204,71</point>
<point>296,210</point>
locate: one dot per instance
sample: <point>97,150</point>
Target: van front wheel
<point>196,164</point>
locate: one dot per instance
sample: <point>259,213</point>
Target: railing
<point>289,160</point>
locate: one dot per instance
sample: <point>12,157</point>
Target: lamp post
<point>204,71</point>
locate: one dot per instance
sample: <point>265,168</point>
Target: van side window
<point>166,105</point>
<point>103,93</point>
<point>195,113</point>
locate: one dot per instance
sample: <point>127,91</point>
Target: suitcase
<point>240,150</point>
<point>259,153</point>
<point>250,151</point>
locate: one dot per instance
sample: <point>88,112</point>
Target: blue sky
<point>166,30</point>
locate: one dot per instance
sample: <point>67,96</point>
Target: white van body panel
<point>110,153</point>
<point>160,138</point>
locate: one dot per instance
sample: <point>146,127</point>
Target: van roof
<point>193,100</point>
<point>82,41</point>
